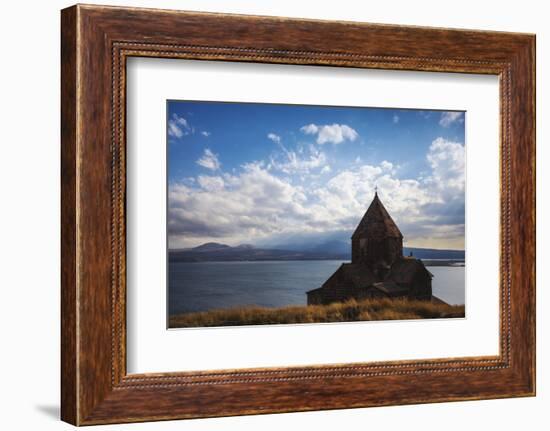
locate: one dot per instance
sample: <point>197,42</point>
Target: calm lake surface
<point>203,286</point>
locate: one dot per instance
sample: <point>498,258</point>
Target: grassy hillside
<point>349,311</point>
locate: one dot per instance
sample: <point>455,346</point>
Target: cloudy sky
<point>268,174</point>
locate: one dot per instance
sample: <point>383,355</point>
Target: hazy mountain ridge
<point>211,252</point>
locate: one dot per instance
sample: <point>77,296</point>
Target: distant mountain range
<point>213,251</point>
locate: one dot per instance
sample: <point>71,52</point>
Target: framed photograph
<point>295,196</point>
<point>264,214</point>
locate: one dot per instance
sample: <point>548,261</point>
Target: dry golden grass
<point>349,311</point>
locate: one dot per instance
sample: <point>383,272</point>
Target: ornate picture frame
<point>96,41</point>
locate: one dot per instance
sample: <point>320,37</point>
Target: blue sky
<point>265,173</point>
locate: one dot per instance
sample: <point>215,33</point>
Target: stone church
<point>378,268</point>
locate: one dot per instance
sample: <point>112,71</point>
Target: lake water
<point>202,286</point>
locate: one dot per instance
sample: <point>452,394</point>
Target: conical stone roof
<point>377,223</point>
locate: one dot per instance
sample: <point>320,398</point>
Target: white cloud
<point>430,211</point>
<point>293,163</point>
<point>255,203</point>
<point>209,160</point>
<point>450,117</point>
<point>205,133</point>
<point>249,205</point>
<point>387,166</point>
<point>273,137</point>
<point>448,162</point>
<point>424,114</point>
<point>178,126</point>
<point>310,129</point>
<point>332,134</point>
<point>211,183</point>
<point>395,118</point>
<point>347,195</point>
